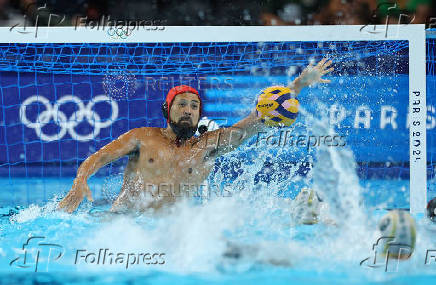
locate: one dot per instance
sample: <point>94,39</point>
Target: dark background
<point>226,12</point>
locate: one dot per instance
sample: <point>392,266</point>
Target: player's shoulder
<point>144,132</point>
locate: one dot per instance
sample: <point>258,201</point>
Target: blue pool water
<point>248,237</point>
<point>194,238</point>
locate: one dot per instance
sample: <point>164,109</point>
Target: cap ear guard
<point>165,110</point>
<point>202,129</point>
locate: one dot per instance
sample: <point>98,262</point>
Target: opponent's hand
<point>313,74</point>
<point>75,196</point>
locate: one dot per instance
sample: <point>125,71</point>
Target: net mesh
<point>192,58</point>
<point>65,123</point>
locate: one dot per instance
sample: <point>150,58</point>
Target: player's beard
<point>184,128</point>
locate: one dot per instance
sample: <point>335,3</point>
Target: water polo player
<point>162,161</point>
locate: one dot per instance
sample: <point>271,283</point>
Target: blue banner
<point>370,113</point>
<point>52,119</point>
<point>60,118</point>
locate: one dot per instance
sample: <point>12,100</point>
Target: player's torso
<point>159,162</point>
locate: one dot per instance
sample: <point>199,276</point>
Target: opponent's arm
<point>123,145</point>
<point>227,139</point>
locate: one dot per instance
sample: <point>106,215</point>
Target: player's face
<point>185,109</point>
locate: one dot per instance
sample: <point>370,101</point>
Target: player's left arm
<point>224,140</point>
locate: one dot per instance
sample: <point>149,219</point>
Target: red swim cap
<point>176,91</point>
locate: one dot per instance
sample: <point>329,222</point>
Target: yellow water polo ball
<point>398,230</point>
<point>306,207</point>
<point>276,107</point>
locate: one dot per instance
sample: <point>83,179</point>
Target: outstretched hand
<point>75,196</point>
<point>313,74</point>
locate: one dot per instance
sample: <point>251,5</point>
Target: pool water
<point>245,238</point>
<point>195,238</point>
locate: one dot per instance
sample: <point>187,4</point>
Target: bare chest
<point>160,161</point>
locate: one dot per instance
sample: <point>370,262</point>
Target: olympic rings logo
<point>68,124</point>
<point>119,32</point>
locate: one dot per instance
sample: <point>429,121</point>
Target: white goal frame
<point>415,34</point>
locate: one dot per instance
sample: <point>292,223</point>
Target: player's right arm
<point>250,125</point>
<point>123,145</point>
<point>312,75</point>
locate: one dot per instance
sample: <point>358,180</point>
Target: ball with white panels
<point>276,107</point>
<point>398,231</point>
<point>431,210</point>
<point>306,207</point>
